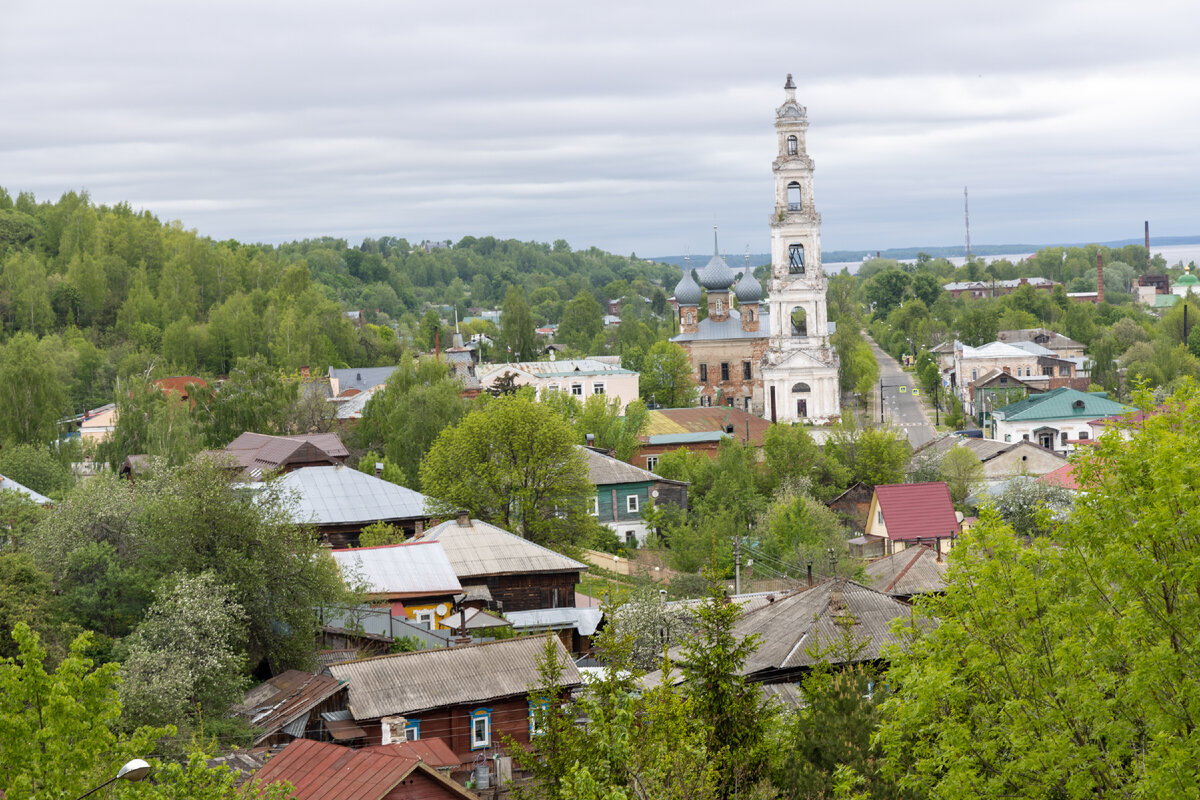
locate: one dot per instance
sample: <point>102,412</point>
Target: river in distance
<point>1174,254</point>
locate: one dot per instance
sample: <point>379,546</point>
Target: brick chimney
<point>1099,279</point>
<point>464,518</point>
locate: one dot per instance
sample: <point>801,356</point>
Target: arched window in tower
<point>799,322</point>
<point>794,202</point>
<point>800,387</point>
<point>796,259</point>
<point>792,145</point>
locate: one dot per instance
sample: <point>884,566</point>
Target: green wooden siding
<point>604,495</point>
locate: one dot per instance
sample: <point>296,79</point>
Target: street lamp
<point>134,770</point>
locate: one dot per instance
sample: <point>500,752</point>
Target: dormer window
<point>793,146</point>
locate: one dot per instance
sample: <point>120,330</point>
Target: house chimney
<point>378,469</point>
<point>590,439</point>
<point>1099,279</point>
<point>464,518</point>
<point>305,372</point>
<point>810,574</point>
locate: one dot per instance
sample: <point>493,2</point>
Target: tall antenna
<point>967,216</point>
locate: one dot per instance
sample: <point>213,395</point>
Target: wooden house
<point>469,696</point>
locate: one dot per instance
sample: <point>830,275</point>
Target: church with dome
<point>770,356</point>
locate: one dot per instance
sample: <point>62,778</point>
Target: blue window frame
<point>481,728</point>
<point>412,730</point>
<point>537,717</point>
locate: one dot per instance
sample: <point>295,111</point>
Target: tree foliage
<point>513,463</point>
<point>1064,668</point>
<point>666,377</point>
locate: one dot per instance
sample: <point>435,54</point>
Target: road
<point>900,408</point>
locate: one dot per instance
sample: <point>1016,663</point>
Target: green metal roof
<point>1062,403</point>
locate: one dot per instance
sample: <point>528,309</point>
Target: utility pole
<point>881,402</point>
<point>737,565</point>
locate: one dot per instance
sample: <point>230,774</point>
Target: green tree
<point>738,717</point>
<point>33,396</point>
<point>405,417</point>
<point>190,519</point>
<point>874,456</point>
<point>255,397</point>
<point>380,533</point>
<point>61,734</point>
<point>185,658</point>
<point>962,471</point>
<point>1063,667</point>
<point>516,326</point>
<point>602,417</point>
<point>582,320</point>
<point>886,290</point>
<point>797,529</point>
<point>666,377</point>
<point>36,468</point>
<point>25,596</point>
<point>513,463</point>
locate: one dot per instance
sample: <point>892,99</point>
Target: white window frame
<point>632,503</point>
<point>651,462</point>
<point>426,617</point>
<point>577,390</point>
<point>479,715</point>
<point>598,387</point>
<point>595,512</point>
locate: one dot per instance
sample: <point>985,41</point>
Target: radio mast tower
<point>967,216</point>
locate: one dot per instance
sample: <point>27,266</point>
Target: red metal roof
<point>434,752</point>
<point>917,510</point>
<point>322,771</point>
<point>1064,476</point>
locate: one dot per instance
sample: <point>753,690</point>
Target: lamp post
<point>134,770</point>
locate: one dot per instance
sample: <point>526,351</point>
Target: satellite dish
<point>654,493</point>
<point>441,610</point>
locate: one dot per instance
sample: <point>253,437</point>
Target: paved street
<point>900,408</point>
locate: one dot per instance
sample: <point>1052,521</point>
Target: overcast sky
<point>633,127</point>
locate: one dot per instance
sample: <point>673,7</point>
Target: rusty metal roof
<point>269,452</point>
<point>914,570</point>
<point>323,771</point>
<point>667,421</point>
<point>434,752</point>
<point>795,629</point>
<point>407,683</point>
<point>284,699</point>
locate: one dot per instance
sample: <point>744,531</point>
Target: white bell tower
<point>800,370</point>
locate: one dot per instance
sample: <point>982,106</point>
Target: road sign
<point>903,389</point>
<point>916,391</point>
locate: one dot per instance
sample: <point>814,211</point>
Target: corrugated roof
<point>434,752</point>
<point>1064,476</point>
<point>917,510</point>
<point>554,369</point>
<point>479,549</point>
<point>730,328</point>
<point>584,620</point>
<point>285,699</point>
<point>8,484</point>
<point>687,438</point>
<point>338,495</point>
<point>795,628</point>
<point>605,470</point>
<point>1061,403</point>
<point>323,771</point>
<point>408,683</point>
<point>411,569</point>
<point>1055,340</point>
<point>666,421</point>
<point>914,570</point>
<point>993,350</point>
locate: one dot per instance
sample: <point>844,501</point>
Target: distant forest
<point>106,292</point>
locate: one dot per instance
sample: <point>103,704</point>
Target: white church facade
<point>778,361</point>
